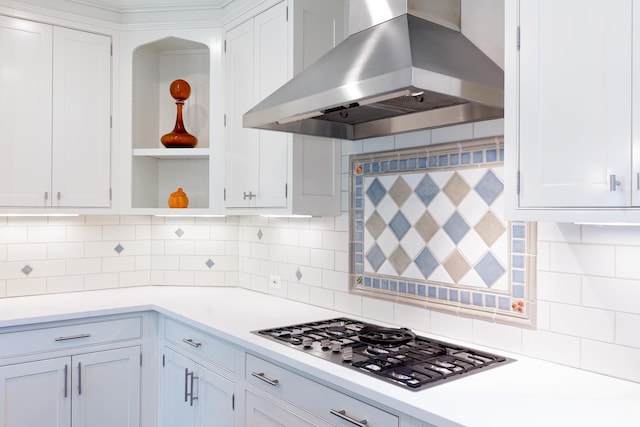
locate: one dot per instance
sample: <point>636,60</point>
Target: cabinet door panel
<point>575,99</point>
<point>81,124</point>
<point>241,153</point>
<point>176,410</point>
<point>106,388</point>
<point>25,85</point>
<point>215,400</point>
<point>42,383</point>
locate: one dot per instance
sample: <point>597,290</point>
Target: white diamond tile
<point>412,243</point>
<point>473,176</point>
<point>441,245</point>
<point>441,209</point>
<point>412,272</point>
<point>472,247</point>
<point>387,269</point>
<point>440,275</point>
<point>387,242</point>
<point>473,208</point>
<point>413,179</point>
<point>472,279</point>
<point>387,209</point>
<point>368,240</point>
<point>441,178</point>
<point>413,209</point>
<point>500,249</point>
<point>502,284</point>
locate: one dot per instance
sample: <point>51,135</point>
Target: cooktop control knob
<point>325,344</point>
<point>347,354</point>
<point>307,342</point>
<point>336,347</point>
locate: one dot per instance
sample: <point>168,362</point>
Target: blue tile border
<point>513,304</point>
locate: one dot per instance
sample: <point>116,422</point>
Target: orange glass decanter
<point>179,137</point>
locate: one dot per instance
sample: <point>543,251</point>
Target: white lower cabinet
<point>196,389</point>
<point>277,396</point>
<point>73,373</point>
<point>194,395</point>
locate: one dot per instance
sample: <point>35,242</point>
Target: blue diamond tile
<point>456,228</point>
<point>427,190</point>
<point>298,274</point>
<point>426,263</point>
<point>489,269</point>
<point>399,225</point>
<point>489,187</point>
<point>376,191</point>
<point>210,263</point>
<point>119,248</point>
<point>26,270</point>
<point>376,257</point>
<point>260,234</point>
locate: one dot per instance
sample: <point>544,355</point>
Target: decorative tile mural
<point>427,226</point>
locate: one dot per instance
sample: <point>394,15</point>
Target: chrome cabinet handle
<point>79,378</point>
<point>189,378</point>
<point>191,395</point>
<point>192,343</point>
<point>343,415</point>
<point>613,182</point>
<point>266,379</point>
<point>186,384</point>
<point>248,195</point>
<point>73,337</point>
<point>66,383</point>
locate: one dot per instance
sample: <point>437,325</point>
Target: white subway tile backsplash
<point>615,360</point>
<point>411,316</point>
<point>452,133</point>
<point>451,326</point>
<point>488,128</point>
<point>26,252</point>
<point>412,139</point>
<point>628,330</point>
<point>378,309</point>
<point>299,255</point>
<point>559,287</point>
<point>499,336</point>
<point>322,258</point>
<point>559,232</point>
<point>37,234</point>
<point>180,247</point>
<point>627,265</point>
<point>582,322</point>
<point>65,284</point>
<point>336,280</point>
<point>611,235</point>
<point>13,235</point>
<point>311,238</point>
<point>65,250</point>
<point>83,266</point>
<point>298,292</point>
<point>123,263</point>
<point>383,143</point>
<point>24,287</point>
<point>596,260</point>
<point>335,240</point>
<point>551,346</point>
<point>322,297</point>
<point>347,303</point>
<point>611,294</point>
<point>119,232</point>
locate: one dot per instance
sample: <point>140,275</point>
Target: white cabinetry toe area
<point>56,117</point>
<point>273,172</point>
<point>74,373</point>
<point>572,142</point>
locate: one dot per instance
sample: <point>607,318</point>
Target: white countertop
<point>527,392</point>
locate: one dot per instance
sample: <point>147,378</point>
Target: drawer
<point>69,336</point>
<point>322,401</point>
<point>188,339</point>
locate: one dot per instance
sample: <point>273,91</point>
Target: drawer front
<point>194,341</point>
<point>63,337</point>
<point>329,404</point>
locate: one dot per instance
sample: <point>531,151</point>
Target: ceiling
<point>124,6</point>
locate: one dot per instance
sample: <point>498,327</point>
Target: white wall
<point>588,276</point>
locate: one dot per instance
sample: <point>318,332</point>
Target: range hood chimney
<point>405,67</point>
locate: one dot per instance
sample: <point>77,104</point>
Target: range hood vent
<point>411,72</point>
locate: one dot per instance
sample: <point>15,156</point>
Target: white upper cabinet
<point>570,136</point>
<point>56,83</point>
<point>274,172</point>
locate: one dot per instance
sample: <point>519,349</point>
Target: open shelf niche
<point>158,171</point>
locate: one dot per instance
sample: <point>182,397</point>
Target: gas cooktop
<point>396,355</point>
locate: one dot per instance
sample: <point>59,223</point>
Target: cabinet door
<point>575,103</point>
<point>25,85</point>
<point>106,388</point>
<point>81,119</point>
<point>268,413</point>
<point>215,400</point>
<point>176,409</point>
<point>271,62</point>
<point>241,153</point>
<point>36,394</point>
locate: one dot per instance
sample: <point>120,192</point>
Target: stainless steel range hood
<point>407,67</point>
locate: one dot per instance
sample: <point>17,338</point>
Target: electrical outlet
<point>275,282</point>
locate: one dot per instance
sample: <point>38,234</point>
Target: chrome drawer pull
<point>73,337</point>
<point>192,343</point>
<point>265,378</point>
<point>343,415</point>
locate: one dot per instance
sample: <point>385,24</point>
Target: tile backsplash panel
<point>588,277</point>
<point>427,226</point>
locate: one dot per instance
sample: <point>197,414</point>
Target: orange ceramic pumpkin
<point>178,199</point>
